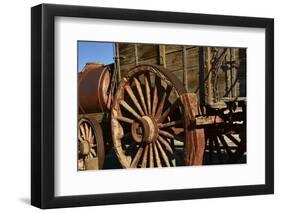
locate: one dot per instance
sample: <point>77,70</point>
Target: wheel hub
<point>144,130</point>
<point>84,147</point>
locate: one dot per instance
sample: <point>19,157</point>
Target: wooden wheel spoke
<point>90,155</point>
<point>144,159</point>
<point>79,138</point>
<point>225,145</point>
<point>218,148</point>
<point>125,119</point>
<point>90,136</point>
<point>93,152</point>
<point>163,101</point>
<point>155,95</point>
<point>163,154</point>
<point>166,134</point>
<point>170,109</point>
<point>92,139</point>
<point>151,160</point>
<point>233,139</point>
<point>138,85</point>
<point>157,158</point>
<point>148,92</point>
<point>137,158</point>
<point>177,131</point>
<point>170,124</point>
<point>133,98</point>
<point>82,131</point>
<point>166,144</point>
<point>87,130</point>
<point>129,109</point>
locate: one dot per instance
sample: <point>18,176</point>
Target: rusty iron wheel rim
<point>146,114</point>
<point>90,144</point>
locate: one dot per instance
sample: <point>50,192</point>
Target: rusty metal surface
<point>93,88</point>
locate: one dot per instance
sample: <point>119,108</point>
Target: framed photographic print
<point>139,106</point>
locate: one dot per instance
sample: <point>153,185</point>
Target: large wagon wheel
<point>90,145</point>
<point>147,118</point>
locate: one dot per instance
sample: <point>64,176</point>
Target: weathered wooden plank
<point>146,51</point>
<point>187,68</point>
<point>193,79</point>
<point>174,60</point>
<point>173,48</point>
<point>124,68</point>
<point>185,77</point>
<point>209,76</point>
<point>152,61</point>
<point>123,46</point>
<point>127,56</point>
<point>162,55</point>
<point>125,49</point>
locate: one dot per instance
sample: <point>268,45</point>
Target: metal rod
<point>117,61</point>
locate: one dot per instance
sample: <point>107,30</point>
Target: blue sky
<point>90,51</point>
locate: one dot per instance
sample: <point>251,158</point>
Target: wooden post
<point>209,80</point>
<point>233,71</point>
<point>136,54</point>
<point>201,77</point>
<point>229,78</point>
<point>162,55</point>
<point>185,79</point>
<point>117,61</point>
<point>242,72</point>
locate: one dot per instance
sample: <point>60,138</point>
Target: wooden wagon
<point>164,103</point>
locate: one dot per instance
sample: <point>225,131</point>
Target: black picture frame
<point>42,105</point>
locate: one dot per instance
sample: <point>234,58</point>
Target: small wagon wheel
<point>147,118</point>
<point>225,148</point>
<point>226,142</point>
<point>90,144</point>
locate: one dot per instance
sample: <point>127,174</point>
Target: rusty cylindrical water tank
<point>93,88</point>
